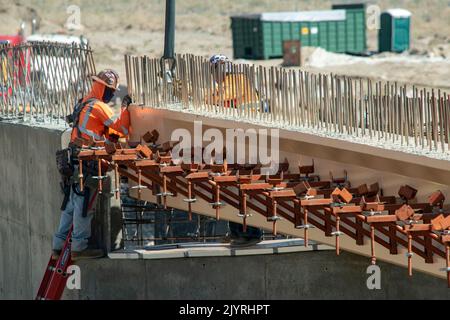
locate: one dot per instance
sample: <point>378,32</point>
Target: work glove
<point>114,138</point>
<point>126,101</point>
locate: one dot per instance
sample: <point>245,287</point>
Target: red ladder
<point>55,276</point>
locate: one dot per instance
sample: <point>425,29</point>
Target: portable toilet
<point>394,34</point>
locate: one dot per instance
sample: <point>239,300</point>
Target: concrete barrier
<point>30,198</point>
<point>301,275</point>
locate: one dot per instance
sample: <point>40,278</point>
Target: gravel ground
<point>116,27</point>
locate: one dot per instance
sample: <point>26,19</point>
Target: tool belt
<point>90,168</point>
<point>67,164</point>
<point>68,167</point>
<point>64,162</point>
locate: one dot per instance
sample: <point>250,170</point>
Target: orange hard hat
<point>108,77</point>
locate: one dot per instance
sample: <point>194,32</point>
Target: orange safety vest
<point>235,90</point>
<point>95,119</point>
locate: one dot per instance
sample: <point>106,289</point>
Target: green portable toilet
<point>395,30</point>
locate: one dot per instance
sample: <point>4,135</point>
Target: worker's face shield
<point>108,94</point>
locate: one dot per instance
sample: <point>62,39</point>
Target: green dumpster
<point>261,36</point>
<point>355,27</point>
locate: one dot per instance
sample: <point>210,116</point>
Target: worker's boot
<point>87,254</point>
<point>56,254</point>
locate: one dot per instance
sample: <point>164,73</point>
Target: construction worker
<point>92,121</point>
<point>235,89</point>
<point>233,97</point>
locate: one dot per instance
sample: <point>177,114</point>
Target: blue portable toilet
<point>395,30</point>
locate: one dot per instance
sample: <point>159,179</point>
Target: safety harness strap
<point>82,128</point>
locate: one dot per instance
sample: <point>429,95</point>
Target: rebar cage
<point>42,81</point>
<point>147,224</point>
<point>386,113</point>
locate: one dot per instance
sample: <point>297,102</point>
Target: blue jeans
<point>73,214</point>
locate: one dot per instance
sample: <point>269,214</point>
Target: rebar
<point>380,111</point>
<point>42,81</point>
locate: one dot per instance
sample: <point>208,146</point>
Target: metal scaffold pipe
<point>169,36</point>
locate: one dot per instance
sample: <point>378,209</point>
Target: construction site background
<point>136,27</point>
<point>28,155</point>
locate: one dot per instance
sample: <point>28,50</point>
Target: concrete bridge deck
<point>390,168</point>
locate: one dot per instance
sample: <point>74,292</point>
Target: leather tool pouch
<point>63,162</point>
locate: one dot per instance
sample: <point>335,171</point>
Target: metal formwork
<point>333,206</point>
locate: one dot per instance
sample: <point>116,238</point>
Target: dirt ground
<point>117,27</point>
